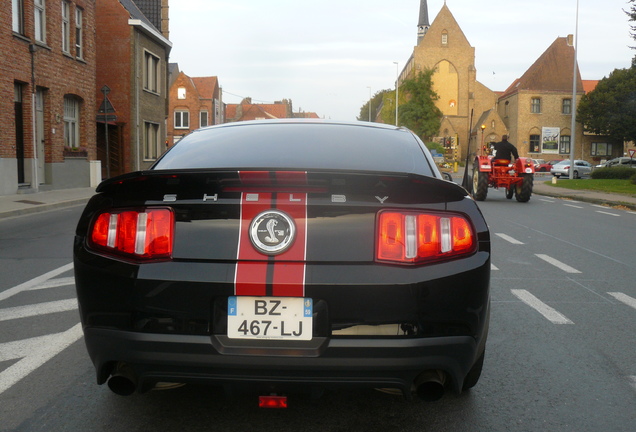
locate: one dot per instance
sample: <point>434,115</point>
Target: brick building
<point>537,109</point>
<point>132,65</point>
<point>47,94</point>
<point>194,102</point>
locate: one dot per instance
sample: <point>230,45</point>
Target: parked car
<point>562,168</point>
<point>621,161</point>
<point>282,255</point>
<point>540,165</point>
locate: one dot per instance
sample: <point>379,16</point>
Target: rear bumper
<point>323,362</point>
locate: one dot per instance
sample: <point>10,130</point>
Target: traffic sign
<point>632,152</point>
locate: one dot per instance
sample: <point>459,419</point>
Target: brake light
<point>138,234</point>
<point>411,237</point>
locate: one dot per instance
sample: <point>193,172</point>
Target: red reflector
<point>272,401</point>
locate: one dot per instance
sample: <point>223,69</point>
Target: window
<point>151,140</point>
<point>564,144</point>
<point>71,122</point>
<point>444,37</point>
<point>66,27</point>
<point>535,144</point>
<point>566,107</point>
<point>40,20</point>
<point>79,34</point>
<point>535,106</point>
<point>181,93</point>
<point>203,119</point>
<point>181,120</point>
<point>18,16</point>
<point>151,73</point>
<point>601,149</point>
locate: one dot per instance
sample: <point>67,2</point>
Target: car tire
<point>575,174</point>
<point>480,184</point>
<point>524,190</point>
<point>475,372</point>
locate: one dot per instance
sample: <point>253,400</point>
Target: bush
<point>618,173</point>
<point>633,179</point>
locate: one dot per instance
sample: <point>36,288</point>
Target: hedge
<point>619,173</point>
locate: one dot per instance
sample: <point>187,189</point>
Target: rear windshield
<point>306,146</point>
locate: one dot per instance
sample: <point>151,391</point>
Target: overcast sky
<point>323,55</point>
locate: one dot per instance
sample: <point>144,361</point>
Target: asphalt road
<point>560,357</point>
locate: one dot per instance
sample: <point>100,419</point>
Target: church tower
<point>422,24</point>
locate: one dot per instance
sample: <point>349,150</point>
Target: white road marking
<point>632,381</point>
<point>509,239</point>
<point>607,213</point>
<point>624,298</point>
<point>54,283</point>
<point>571,205</point>
<point>599,206</point>
<point>34,353</point>
<point>566,268</point>
<point>546,200</point>
<point>37,309</point>
<point>493,267</point>
<point>550,313</point>
<point>34,282</point>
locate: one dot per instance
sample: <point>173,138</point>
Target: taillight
<point>413,237</point>
<point>137,234</point>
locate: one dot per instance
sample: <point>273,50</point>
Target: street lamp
<point>369,103</point>
<point>397,85</point>
<point>482,139</point>
<point>574,82</point>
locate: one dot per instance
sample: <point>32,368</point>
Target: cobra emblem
<point>270,230</point>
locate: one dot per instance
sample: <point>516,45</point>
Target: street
<point>560,355</point>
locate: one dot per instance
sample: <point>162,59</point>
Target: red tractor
<point>516,178</point>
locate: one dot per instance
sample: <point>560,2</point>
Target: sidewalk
<point>540,188</point>
<point>23,204</point>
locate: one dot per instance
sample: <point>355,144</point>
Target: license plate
<point>269,318</point>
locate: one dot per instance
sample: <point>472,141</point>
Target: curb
<point>605,202</point>
<point>40,208</point>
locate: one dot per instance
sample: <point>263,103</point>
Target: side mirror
<point>447,176</point>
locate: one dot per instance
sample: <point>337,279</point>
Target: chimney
<point>570,40</point>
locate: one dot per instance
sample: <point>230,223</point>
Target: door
<point>39,133</point>
<point>19,131</point>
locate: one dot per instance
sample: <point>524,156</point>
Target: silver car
<point>621,161</point>
<point>562,168</point>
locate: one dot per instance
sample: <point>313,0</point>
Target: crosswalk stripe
<point>34,282</point>
<point>37,309</point>
<point>550,313</point>
<point>37,356</point>
<point>624,298</point>
<point>555,262</point>
<point>509,239</point>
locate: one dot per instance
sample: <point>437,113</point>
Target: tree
<point>610,109</point>
<point>419,113</point>
<point>631,13</point>
<point>376,101</point>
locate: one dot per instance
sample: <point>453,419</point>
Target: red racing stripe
<point>288,268</point>
<point>251,267</point>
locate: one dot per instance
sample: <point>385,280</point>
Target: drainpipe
<point>35,184</point>
<point>137,87</point>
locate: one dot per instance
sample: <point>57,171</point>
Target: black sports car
<point>286,255</point>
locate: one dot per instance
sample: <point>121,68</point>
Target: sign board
<point>631,153</point>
